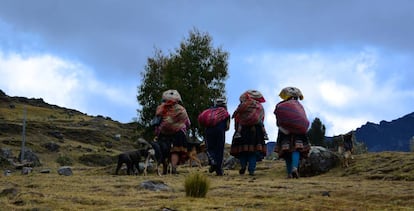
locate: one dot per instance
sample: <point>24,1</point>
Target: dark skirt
<point>251,140</point>
<point>178,143</point>
<point>286,144</point>
<point>216,136</point>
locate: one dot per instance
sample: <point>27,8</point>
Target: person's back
<point>215,135</point>
<point>292,142</point>
<point>249,147</point>
<point>173,127</point>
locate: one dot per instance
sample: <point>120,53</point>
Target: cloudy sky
<point>353,60</point>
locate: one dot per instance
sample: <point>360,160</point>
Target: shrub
<point>64,160</point>
<point>196,185</point>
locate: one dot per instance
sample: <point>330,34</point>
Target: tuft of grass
<point>196,185</point>
<point>64,160</point>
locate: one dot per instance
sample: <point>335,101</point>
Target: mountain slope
<point>387,136</point>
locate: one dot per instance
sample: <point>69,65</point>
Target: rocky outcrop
<point>320,161</point>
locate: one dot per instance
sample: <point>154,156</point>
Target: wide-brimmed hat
<point>289,92</point>
<point>252,94</point>
<point>171,94</point>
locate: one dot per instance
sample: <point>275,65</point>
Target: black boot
<point>242,171</point>
<point>212,168</point>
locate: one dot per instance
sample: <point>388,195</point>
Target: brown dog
<point>192,155</point>
<point>345,149</point>
<point>346,155</point>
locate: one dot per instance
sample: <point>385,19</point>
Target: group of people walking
<point>248,143</point>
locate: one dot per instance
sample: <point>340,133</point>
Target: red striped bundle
<point>212,116</point>
<point>174,117</point>
<point>249,112</point>
<point>290,115</point>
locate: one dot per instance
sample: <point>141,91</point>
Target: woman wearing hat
<point>173,127</point>
<point>292,141</point>
<point>249,146</point>
<point>215,134</point>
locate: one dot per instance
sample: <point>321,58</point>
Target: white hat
<point>171,94</point>
<point>220,101</point>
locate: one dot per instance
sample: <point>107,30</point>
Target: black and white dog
<point>131,159</point>
<point>161,155</point>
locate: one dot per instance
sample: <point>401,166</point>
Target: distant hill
<point>387,136</point>
<point>73,133</point>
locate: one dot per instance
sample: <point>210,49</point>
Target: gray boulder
<point>230,163</point>
<point>320,161</point>
<point>30,157</point>
<point>65,171</point>
<point>154,185</point>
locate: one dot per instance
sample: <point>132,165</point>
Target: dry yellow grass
<point>98,189</point>
<point>374,181</point>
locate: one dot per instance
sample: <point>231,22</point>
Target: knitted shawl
<point>174,117</point>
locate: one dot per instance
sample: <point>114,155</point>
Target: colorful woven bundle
<point>174,117</point>
<point>249,112</point>
<point>212,116</point>
<point>291,115</point>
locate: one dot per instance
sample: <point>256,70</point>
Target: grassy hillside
<point>374,181</point>
<point>75,133</point>
<point>97,188</point>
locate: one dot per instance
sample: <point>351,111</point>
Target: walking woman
<point>171,132</point>
<point>292,141</point>
<point>216,121</point>
<point>248,144</point>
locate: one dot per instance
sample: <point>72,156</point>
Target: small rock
<point>26,170</point>
<point>326,193</point>
<point>45,171</point>
<point>7,172</point>
<point>154,185</point>
<point>65,170</point>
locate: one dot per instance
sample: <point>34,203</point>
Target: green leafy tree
<point>196,70</point>
<point>150,91</point>
<point>316,133</point>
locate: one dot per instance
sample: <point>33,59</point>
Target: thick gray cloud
<point>337,52</point>
<point>117,36</point>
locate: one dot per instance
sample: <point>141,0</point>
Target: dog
<point>345,149</point>
<point>131,159</point>
<point>194,148</point>
<point>161,155</point>
<point>160,152</point>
